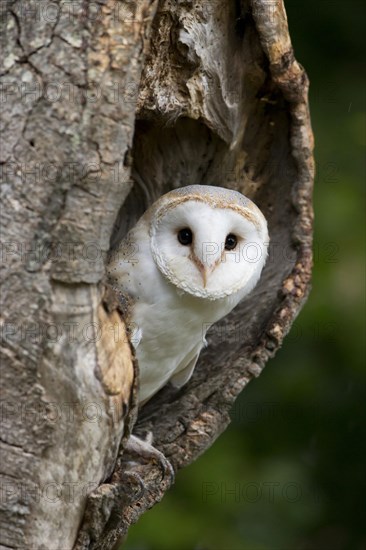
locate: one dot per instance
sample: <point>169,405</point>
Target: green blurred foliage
<point>288,473</point>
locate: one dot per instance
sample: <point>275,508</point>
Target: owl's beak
<point>205,271</point>
<point>204,275</point>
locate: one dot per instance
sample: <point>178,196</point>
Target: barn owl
<point>189,260</point>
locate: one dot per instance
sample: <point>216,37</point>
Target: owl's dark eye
<point>231,241</point>
<point>185,236</point>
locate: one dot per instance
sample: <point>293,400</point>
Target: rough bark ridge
<point>67,365</point>
<point>108,106</point>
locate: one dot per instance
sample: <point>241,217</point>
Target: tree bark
<point>106,106</point>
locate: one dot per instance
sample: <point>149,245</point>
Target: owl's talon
<point>149,453</point>
<point>165,466</point>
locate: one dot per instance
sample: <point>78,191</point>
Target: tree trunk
<point>106,106</point>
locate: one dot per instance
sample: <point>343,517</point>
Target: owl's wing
<point>183,375</point>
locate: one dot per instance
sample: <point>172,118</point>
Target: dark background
<point>288,473</point>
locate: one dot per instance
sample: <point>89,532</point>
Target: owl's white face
<point>209,251</point>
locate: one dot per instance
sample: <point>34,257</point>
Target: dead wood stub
<point>243,125</point>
